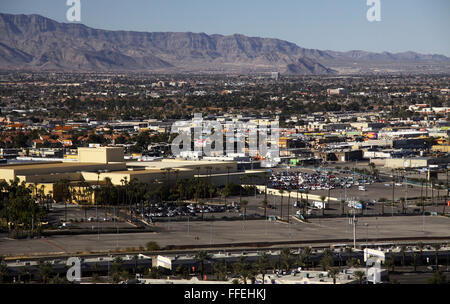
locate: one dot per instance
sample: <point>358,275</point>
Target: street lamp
<point>354,221</point>
<point>367,234</point>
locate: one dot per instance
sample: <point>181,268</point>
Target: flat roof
<point>51,165</point>
<point>169,163</point>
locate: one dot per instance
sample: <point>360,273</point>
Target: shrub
<point>152,246</point>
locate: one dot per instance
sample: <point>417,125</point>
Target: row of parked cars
<point>314,181</point>
<point>158,210</point>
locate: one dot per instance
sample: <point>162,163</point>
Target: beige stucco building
<point>98,164</point>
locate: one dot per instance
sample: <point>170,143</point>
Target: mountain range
<point>34,42</point>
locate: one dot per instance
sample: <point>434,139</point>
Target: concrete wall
<point>405,163</point>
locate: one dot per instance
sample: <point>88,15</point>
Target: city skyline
<point>405,25</point>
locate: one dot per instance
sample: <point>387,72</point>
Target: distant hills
<point>33,42</point>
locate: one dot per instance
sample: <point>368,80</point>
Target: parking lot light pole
<point>367,234</point>
<point>376,223</point>
<point>188,225</point>
<point>354,230</point>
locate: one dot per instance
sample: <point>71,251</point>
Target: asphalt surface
<point>226,232</point>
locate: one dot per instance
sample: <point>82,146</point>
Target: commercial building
<point>95,165</point>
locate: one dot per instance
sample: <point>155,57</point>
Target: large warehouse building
<point>96,164</point>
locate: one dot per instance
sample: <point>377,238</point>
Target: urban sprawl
<point>87,170</point>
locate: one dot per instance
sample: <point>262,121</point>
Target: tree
<point>327,260</point>
<point>353,262</point>
<point>44,272</point>
<point>322,198</point>
<point>242,269</point>
<point>220,270</point>
<point>437,278</point>
<point>390,265</point>
<point>3,270</point>
<point>436,248</point>
<point>422,181</point>
<point>420,246</point>
<point>281,191</point>
<point>333,272</point>
<point>244,204</point>
<point>117,272</point>
<point>342,206</point>
<point>262,265</point>
<point>306,253</point>
<point>289,204</point>
<point>286,258</point>
<point>359,275</point>
<point>414,260</point>
<point>383,202</point>
<point>264,204</point>
<point>202,256</point>
<point>403,253</point>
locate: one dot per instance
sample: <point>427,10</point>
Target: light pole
<point>188,224</point>
<point>354,230</point>
<point>367,234</point>
<point>376,223</point>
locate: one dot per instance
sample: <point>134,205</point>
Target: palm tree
<point>289,203</point>
<point>286,258</point>
<point>281,191</point>
<point>393,187</point>
<point>436,248</point>
<point>359,275</point>
<point>390,264</point>
<point>402,202</point>
<point>383,202</point>
<point>202,206</point>
<point>342,206</point>
<point>202,256</point>
<point>446,195</point>
<point>327,259</point>
<point>211,190</point>
<point>414,260</point>
<point>240,188</point>
<point>228,174</point>
<point>322,198</point>
<point>304,204</point>
<point>244,204</point>
<point>333,272</point>
<point>403,253</point>
<point>3,269</point>
<point>44,271</point>
<point>372,167</point>
<point>262,265</point>
<point>420,245</point>
<point>437,278</point>
<point>242,269</point>
<point>264,204</point>
<point>220,270</point>
<point>306,252</point>
<point>422,181</point>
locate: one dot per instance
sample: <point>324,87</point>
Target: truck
<point>355,205</point>
<point>319,205</point>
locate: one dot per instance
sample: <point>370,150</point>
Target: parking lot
<point>86,218</point>
<point>228,232</point>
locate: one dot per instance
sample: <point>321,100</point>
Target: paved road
<point>220,232</point>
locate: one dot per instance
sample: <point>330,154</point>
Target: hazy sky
<point>417,25</point>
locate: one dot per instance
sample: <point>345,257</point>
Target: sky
<point>340,25</point>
